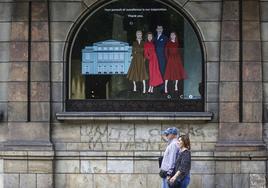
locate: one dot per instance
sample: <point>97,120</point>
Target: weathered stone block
<point>37,166</point>
<point>213,51</point>
<point>264,50</point>
<point>1,166</point>
<point>4,51</point>
<point>44,180</point>
<point>264,29</point>
<point>206,132</point>
<point>214,108</point>
<point>229,71</point>
<point>4,71</point>
<point>3,91</point>
<point>229,91</point>
<point>251,10</point>
<point>240,180</point>
<point>204,10</point>
<point>153,180</point>
<point>230,10</point>
<point>145,133</point>
<point>109,180</point>
<point>253,92</point>
<point>40,51</point>
<point>15,166</point>
<point>228,167</point>
<point>11,180</point>
<point>40,91</point>
<point>5,31</point>
<point>60,180</point>
<point>229,112</point>
<point>240,132</point>
<point>17,91</point>
<point>150,167</point>
<point>251,30</point>
<point>230,51</point>
<point>67,166</point>
<point>39,71</point>
<point>212,71</point>
<point>40,111</point>
<point>16,111</point>
<point>93,166</point>
<point>252,71</point>
<point>133,181</point>
<point>203,167</point>
<point>57,51</point>
<point>210,30</point>
<point>120,132</point>
<point>56,71</point>
<point>66,11</point>
<point>80,181</point>
<point>252,112</point>
<point>39,11</point>
<point>5,11</point>
<point>20,11</point>
<point>19,31</point>
<point>120,166</point>
<point>18,71</point>
<point>39,31</point>
<point>18,51</point>
<point>207,146</point>
<point>257,181</point>
<point>27,180</point>
<point>57,89</point>
<point>97,132</point>
<point>212,92</point>
<point>66,133</point>
<point>196,181</point>
<point>59,30</point>
<point>252,167</point>
<point>208,181</point>
<point>28,131</point>
<point>264,13</point>
<point>230,30</point>
<point>223,180</point>
<point>252,51</point>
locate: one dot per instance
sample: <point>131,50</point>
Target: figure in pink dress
<point>174,68</point>
<point>155,77</point>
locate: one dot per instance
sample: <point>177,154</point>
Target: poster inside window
<point>136,50</point>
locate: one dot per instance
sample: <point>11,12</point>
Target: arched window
<point>131,55</point>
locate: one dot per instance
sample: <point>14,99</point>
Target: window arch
<point>108,70</point>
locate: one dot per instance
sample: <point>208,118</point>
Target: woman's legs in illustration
<point>134,86</point>
<point>166,84</point>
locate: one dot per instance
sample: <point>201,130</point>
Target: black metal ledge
<point>151,116</point>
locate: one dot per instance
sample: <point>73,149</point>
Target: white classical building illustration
<point>106,57</point>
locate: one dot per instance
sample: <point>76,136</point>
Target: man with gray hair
<point>170,155</point>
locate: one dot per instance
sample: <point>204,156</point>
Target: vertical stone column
<point>26,157</point>
<point>240,64</point>
<point>29,86</point>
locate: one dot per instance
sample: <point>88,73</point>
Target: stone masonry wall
<point>119,154</point>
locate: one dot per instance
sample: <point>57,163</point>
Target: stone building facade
<point>43,146</point>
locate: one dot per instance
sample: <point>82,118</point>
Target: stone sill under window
<point>141,116</point>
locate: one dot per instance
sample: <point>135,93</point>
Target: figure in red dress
<point>174,68</point>
<point>155,77</point>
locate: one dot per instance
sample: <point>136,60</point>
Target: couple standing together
<point>165,61</point>
<point>176,162</point>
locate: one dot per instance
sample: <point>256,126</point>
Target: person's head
<point>173,36</point>
<point>184,141</point>
<point>159,29</point>
<point>149,36</point>
<point>139,34</point>
<point>171,133</point>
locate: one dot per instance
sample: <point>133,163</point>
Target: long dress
<point>137,69</point>
<point>174,68</point>
<point>155,77</point>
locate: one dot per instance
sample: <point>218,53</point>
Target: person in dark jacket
<point>181,177</point>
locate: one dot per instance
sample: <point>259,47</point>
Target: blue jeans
<point>185,182</point>
<point>164,183</point>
